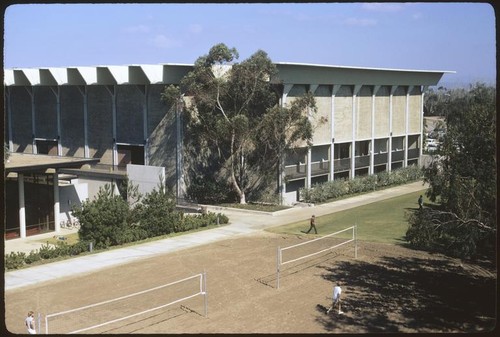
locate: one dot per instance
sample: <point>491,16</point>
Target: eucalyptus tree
<point>462,178</point>
<point>230,111</point>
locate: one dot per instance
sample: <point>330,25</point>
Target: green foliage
<point>14,260</point>
<point>342,187</point>
<point>463,177</point>
<point>109,220</point>
<point>6,152</point>
<point>207,190</point>
<point>233,106</point>
<point>155,216</point>
<point>104,219</point>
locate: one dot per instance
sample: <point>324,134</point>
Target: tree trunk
<point>237,188</point>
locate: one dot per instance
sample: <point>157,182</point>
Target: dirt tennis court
<point>388,288</point>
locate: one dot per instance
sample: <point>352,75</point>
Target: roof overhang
<point>327,74</point>
<point>170,73</point>
<point>23,162</point>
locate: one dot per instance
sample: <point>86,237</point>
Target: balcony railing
<point>413,153</point>
<point>398,156</point>
<point>321,168</point>
<point>380,158</point>
<point>362,161</point>
<point>343,164</point>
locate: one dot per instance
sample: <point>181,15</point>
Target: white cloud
<point>360,22</point>
<point>137,29</point>
<point>163,42</point>
<point>382,7</point>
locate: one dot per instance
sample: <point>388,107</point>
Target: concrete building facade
<point>368,120</point>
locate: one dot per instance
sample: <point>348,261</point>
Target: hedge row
<point>342,187</point>
<point>16,260</point>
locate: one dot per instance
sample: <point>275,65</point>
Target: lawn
<point>383,221</point>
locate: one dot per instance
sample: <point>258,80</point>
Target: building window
<point>44,146</point>
<point>130,154</point>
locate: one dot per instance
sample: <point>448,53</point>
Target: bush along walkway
<point>335,189</point>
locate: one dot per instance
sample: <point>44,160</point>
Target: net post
<point>205,292</point>
<point>46,325</point>
<point>278,268</point>
<point>355,232</point>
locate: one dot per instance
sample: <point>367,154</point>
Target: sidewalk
<point>241,223</point>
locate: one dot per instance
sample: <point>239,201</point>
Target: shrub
<point>338,188</point>
<point>103,219</point>
<point>33,256</point>
<point>14,260</point>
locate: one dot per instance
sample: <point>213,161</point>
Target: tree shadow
<point>413,294</point>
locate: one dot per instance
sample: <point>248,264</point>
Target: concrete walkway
<point>241,223</point>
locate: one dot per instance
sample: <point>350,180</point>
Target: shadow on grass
<point>413,294</point>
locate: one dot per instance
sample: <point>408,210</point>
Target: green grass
<point>383,221</point>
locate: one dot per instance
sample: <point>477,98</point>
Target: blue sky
<point>428,36</point>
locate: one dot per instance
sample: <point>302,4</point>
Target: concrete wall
<point>72,122</point>
<point>321,120</point>
<point>100,124</point>
<point>415,122</point>
<point>45,113</point>
<point>399,111</point>
<point>71,195</point>
<point>382,106</point>
<point>146,178</point>
<point>130,101</point>
<point>20,102</point>
<point>364,113</point>
<point>343,114</point>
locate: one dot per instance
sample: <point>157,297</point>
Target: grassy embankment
<point>382,221</point>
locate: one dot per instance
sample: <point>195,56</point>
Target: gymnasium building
<point>71,130</point>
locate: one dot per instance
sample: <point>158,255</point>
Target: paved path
<point>241,223</point>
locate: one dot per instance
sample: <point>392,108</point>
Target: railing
<point>320,167</point>
<point>342,164</point>
<point>398,156</point>
<point>362,161</point>
<point>413,153</point>
<point>379,159</point>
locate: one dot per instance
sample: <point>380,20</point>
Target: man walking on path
<point>312,225</point>
<point>420,202</point>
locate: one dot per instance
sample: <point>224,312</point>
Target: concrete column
<point>354,125</point>
<point>335,89</point>
<point>112,92</point>
<point>407,113</point>
<point>57,93</point>
<point>281,169</point>
<point>372,145</point>
<point>57,208</point>
<point>422,130</point>
<point>312,89</point>
<point>9,117</point>
<point>83,92</point>
<point>33,125</point>
<point>22,210</point>
<point>145,111</point>
<point>308,167</point>
<point>389,150</point>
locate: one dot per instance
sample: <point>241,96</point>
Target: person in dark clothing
<point>312,225</point>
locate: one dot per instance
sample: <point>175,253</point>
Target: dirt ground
<point>387,288</point>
